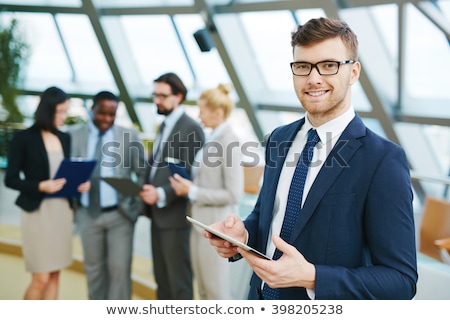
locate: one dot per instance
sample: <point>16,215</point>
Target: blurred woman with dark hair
<point>46,223</point>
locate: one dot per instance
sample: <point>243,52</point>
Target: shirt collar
<point>173,117</point>
<point>333,128</point>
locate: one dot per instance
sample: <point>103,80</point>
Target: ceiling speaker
<point>204,40</point>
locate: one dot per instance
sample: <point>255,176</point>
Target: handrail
<point>418,177</point>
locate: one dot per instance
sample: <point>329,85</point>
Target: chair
<point>435,229</point>
<point>252,178</point>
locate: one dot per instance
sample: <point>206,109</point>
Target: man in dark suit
<point>106,218</point>
<point>353,234</point>
<point>180,138</point>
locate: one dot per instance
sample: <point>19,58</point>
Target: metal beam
<point>94,18</point>
<point>435,16</point>
<point>40,9</point>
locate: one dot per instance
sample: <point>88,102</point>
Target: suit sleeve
<point>390,241</point>
<point>17,160</point>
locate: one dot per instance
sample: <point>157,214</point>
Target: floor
<point>14,280</point>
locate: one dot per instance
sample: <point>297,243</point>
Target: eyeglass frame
<point>161,96</point>
<point>315,65</point>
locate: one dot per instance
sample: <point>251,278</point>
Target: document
<point>75,171</point>
<point>124,186</point>
<point>227,238</point>
<point>176,166</point>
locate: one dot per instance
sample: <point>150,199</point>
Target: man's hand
<point>149,194</point>
<point>291,270</point>
<point>232,226</point>
<point>84,187</point>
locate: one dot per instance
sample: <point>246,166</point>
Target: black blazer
<point>27,155</point>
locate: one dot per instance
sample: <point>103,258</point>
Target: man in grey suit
<point>105,219</point>
<point>180,138</point>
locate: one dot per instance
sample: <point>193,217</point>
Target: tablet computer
<point>227,238</point>
<point>124,186</point>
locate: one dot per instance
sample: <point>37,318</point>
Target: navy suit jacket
<point>356,225</point>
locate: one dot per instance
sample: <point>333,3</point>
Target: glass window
<point>427,66</point>
<point>386,20</point>
<point>86,55</point>
<point>48,63</point>
<point>271,46</point>
<point>155,48</point>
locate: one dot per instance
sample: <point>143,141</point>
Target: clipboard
<point>177,166</point>
<point>75,171</point>
<point>124,186</point>
<point>227,238</point>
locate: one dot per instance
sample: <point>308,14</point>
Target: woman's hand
<point>51,186</point>
<point>180,185</point>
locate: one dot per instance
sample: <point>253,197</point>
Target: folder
<point>177,166</point>
<point>124,186</point>
<point>75,171</point>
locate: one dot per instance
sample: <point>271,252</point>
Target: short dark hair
<point>317,30</point>
<point>44,117</point>
<point>174,82</point>
<point>104,95</point>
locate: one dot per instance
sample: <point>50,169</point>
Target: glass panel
<point>48,63</point>
<point>271,46</point>
<point>155,48</point>
<point>91,68</point>
<point>386,19</point>
<point>427,66</point>
<point>445,7</point>
<point>428,150</point>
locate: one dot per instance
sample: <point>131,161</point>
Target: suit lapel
<point>337,160</point>
<point>119,136</point>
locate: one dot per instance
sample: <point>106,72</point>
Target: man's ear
<point>179,97</point>
<point>356,70</point>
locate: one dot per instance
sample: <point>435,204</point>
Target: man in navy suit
<point>354,234</point>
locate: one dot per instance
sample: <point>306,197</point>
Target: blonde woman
<point>215,190</point>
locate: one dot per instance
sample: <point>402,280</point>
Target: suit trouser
<point>108,248</point>
<point>172,263</point>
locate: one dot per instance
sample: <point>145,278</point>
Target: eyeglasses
<point>161,96</point>
<point>324,68</point>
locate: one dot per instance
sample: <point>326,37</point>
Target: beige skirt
<point>47,236</point>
